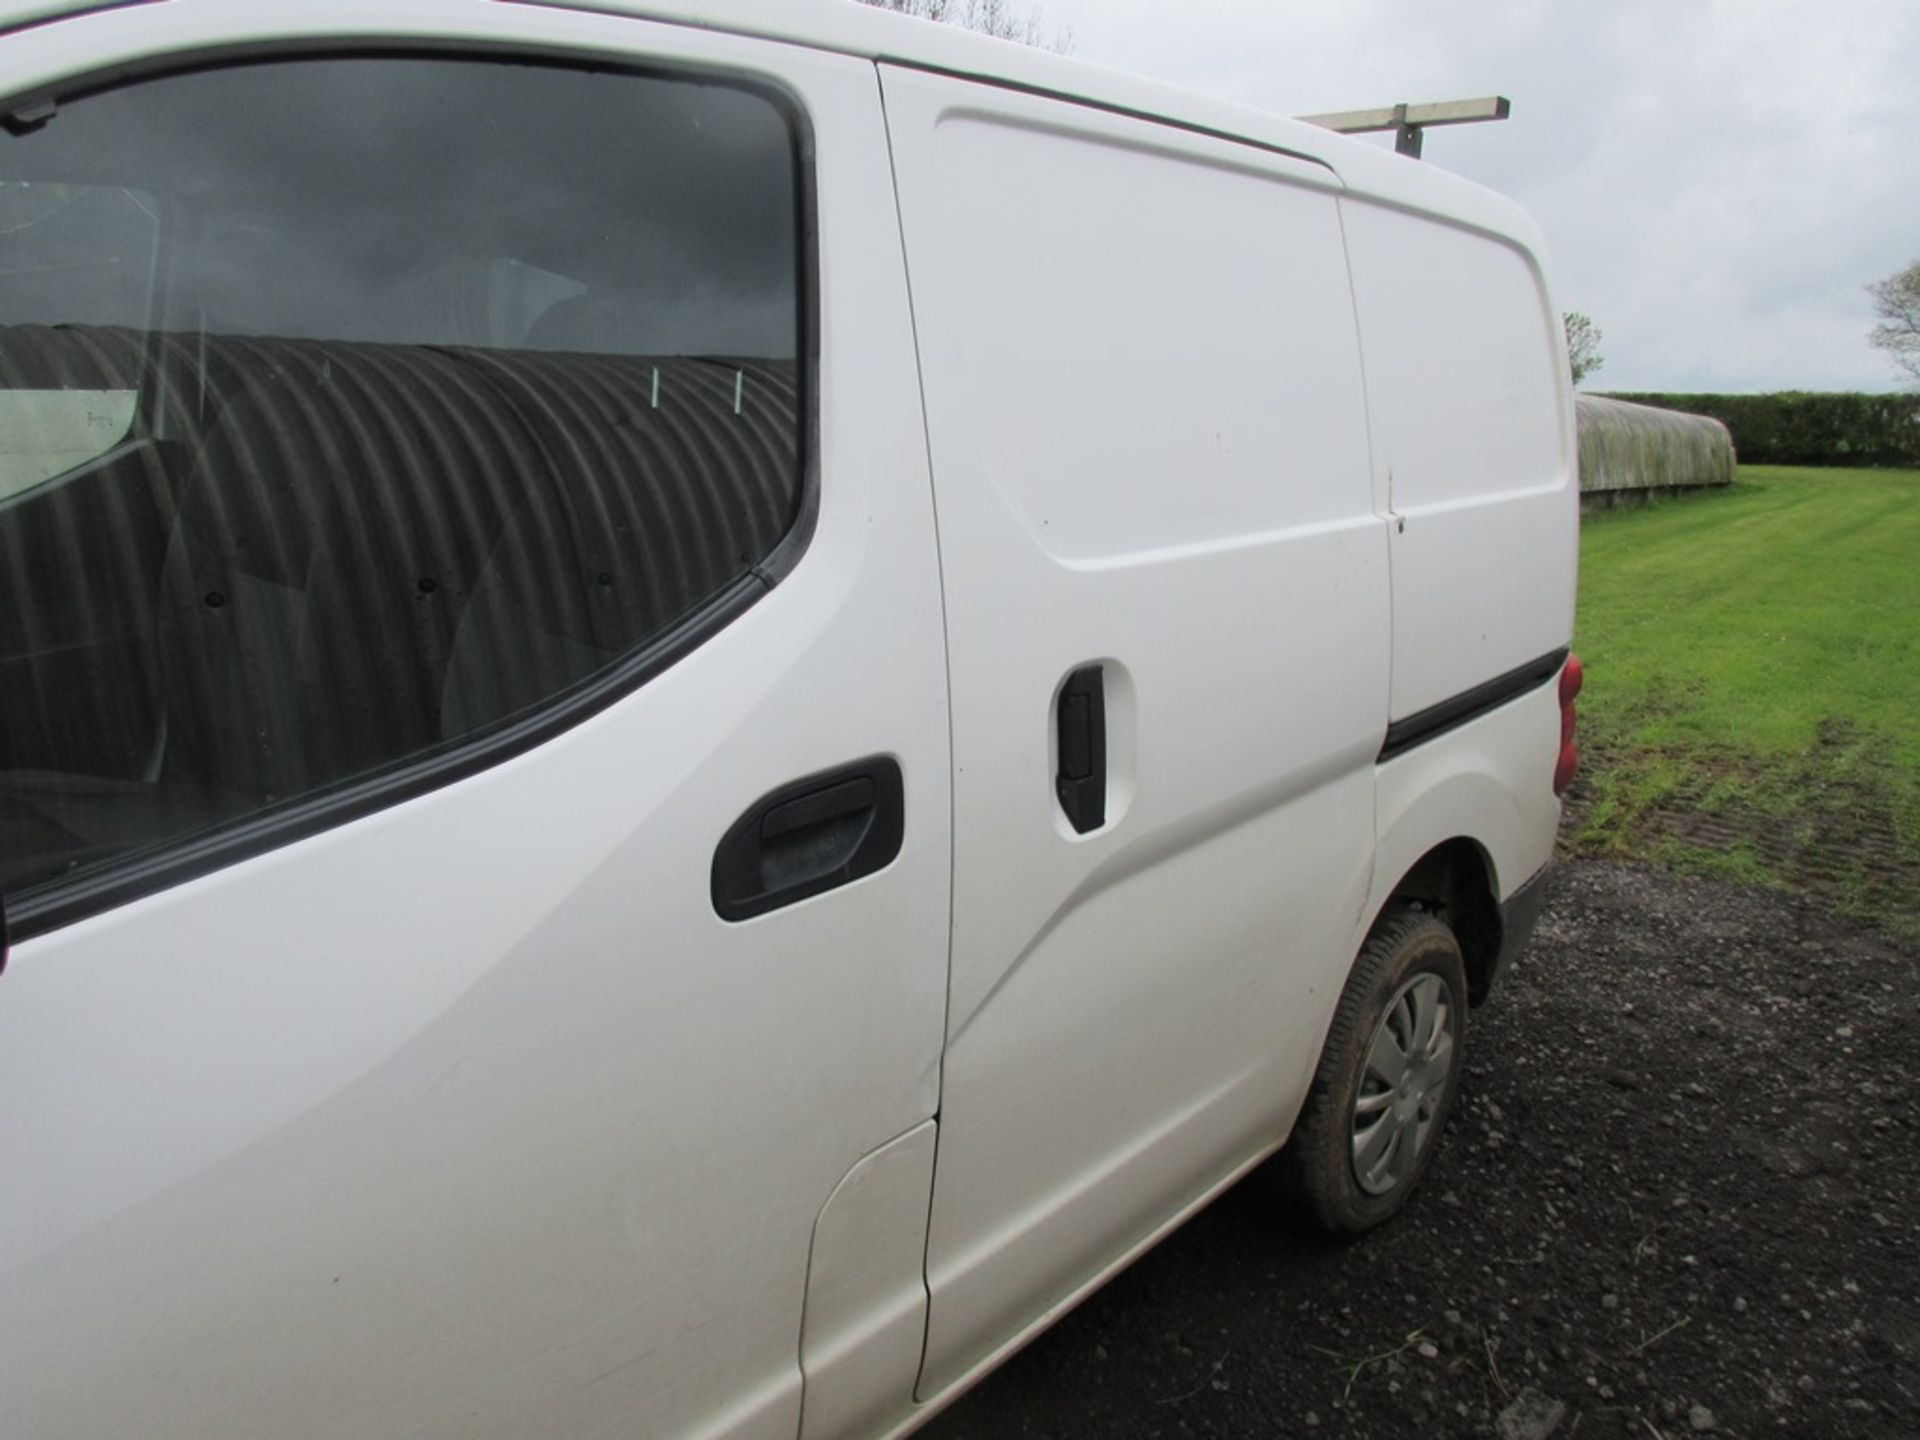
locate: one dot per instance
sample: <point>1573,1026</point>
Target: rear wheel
<point>1386,1079</point>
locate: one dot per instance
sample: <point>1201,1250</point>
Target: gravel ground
<point>1678,1196</point>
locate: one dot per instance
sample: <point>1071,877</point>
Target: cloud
<point>1718,179</point>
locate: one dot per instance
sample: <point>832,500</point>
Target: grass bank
<point>1753,695</point>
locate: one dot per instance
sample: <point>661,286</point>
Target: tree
<point>997,18</point>
<point>1896,300</point>
<point>1583,345</point>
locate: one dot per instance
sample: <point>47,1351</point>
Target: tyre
<point>1386,1080</point>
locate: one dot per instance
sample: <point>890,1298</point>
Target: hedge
<point>1799,427</point>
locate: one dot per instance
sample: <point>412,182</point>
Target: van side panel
<point>1149,453</point>
<point>1472,428</point>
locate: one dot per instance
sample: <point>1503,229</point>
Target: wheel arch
<point>1459,825</point>
<point>1457,881</point>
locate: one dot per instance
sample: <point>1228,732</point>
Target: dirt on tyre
<point>1386,1080</point>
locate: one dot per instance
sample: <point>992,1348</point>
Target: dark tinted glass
<point>381,401</point>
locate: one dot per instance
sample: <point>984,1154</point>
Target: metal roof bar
<point>1409,121</point>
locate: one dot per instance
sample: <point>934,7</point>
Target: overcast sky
<point>1717,179</point>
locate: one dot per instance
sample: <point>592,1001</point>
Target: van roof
<point>852,28</point>
<point>24,14</point>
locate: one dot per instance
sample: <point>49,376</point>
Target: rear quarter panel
<point>1471,415</point>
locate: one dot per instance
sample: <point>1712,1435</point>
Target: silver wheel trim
<point>1408,1068</point>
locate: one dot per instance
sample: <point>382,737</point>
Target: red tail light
<point>1572,676</point>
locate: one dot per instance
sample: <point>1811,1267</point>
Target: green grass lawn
<point>1753,684</point>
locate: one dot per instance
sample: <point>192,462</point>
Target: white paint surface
<point>866,1295</point>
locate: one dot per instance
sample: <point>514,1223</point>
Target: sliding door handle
<point>809,837</point>
<point>1081,781</point>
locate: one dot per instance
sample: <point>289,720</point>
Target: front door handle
<point>824,831</point>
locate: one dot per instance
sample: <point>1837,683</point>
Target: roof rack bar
<point>1408,122</point>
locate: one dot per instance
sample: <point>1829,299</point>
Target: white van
<point>704,701</point>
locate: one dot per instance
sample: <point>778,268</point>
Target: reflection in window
<point>46,433</point>
<point>415,421</point>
